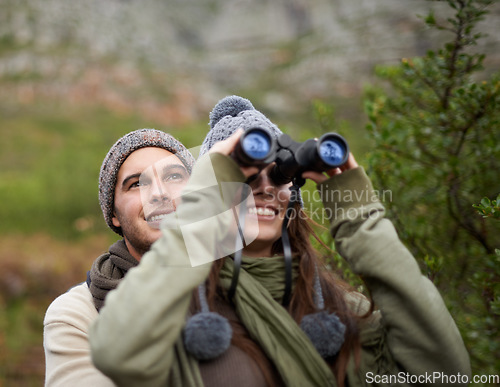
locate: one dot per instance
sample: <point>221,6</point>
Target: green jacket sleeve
<point>420,333</point>
<point>132,341</point>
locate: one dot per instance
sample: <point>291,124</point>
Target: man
<point>140,179</point>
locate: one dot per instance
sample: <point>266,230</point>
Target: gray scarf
<point>108,270</point>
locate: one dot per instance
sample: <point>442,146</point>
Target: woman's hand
<point>227,146</point>
<point>319,177</point>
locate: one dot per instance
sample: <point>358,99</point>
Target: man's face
<point>148,186</point>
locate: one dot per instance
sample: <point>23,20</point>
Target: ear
<point>115,221</point>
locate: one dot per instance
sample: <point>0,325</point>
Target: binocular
<point>257,147</point>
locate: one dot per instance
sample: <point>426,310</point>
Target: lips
<point>154,219</point>
<point>263,211</point>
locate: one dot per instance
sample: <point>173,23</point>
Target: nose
<point>158,192</point>
<point>262,183</point>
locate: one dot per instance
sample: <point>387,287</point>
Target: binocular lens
<point>333,151</point>
<point>257,147</point>
<point>257,144</point>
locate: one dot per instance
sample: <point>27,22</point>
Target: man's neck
<point>133,252</point>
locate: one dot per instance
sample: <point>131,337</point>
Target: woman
<point>173,323</point>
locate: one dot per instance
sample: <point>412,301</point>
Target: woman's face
<point>271,202</point>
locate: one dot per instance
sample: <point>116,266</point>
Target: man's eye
<point>174,176</point>
<point>138,184</point>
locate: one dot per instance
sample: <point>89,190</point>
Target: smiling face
<point>148,187</point>
<point>271,202</point>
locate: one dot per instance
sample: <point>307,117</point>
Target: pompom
<point>326,332</point>
<point>229,106</point>
<point>207,335</point>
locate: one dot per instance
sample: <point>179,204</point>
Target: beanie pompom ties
<point>229,106</point>
<point>207,335</point>
<point>326,332</point>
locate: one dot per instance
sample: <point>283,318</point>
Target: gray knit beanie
<point>234,112</point>
<point>231,113</point>
<point>129,143</point>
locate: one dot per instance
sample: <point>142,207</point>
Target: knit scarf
<point>260,289</point>
<point>108,270</point>
<point>261,284</point>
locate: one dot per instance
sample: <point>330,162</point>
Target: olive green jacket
<point>136,339</point>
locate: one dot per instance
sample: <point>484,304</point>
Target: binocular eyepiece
<point>257,147</point>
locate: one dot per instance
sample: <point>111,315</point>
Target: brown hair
<point>302,302</point>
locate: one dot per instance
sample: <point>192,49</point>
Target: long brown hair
<point>302,302</point>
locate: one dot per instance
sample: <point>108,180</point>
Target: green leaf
<point>485,202</point>
<point>430,19</point>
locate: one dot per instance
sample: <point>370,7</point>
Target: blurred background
<point>76,76</point>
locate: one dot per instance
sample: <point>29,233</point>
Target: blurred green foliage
<point>489,280</point>
<point>433,128</point>
<point>51,225</point>
<point>49,165</point>
<point>434,123</point>
<point>489,208</point>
